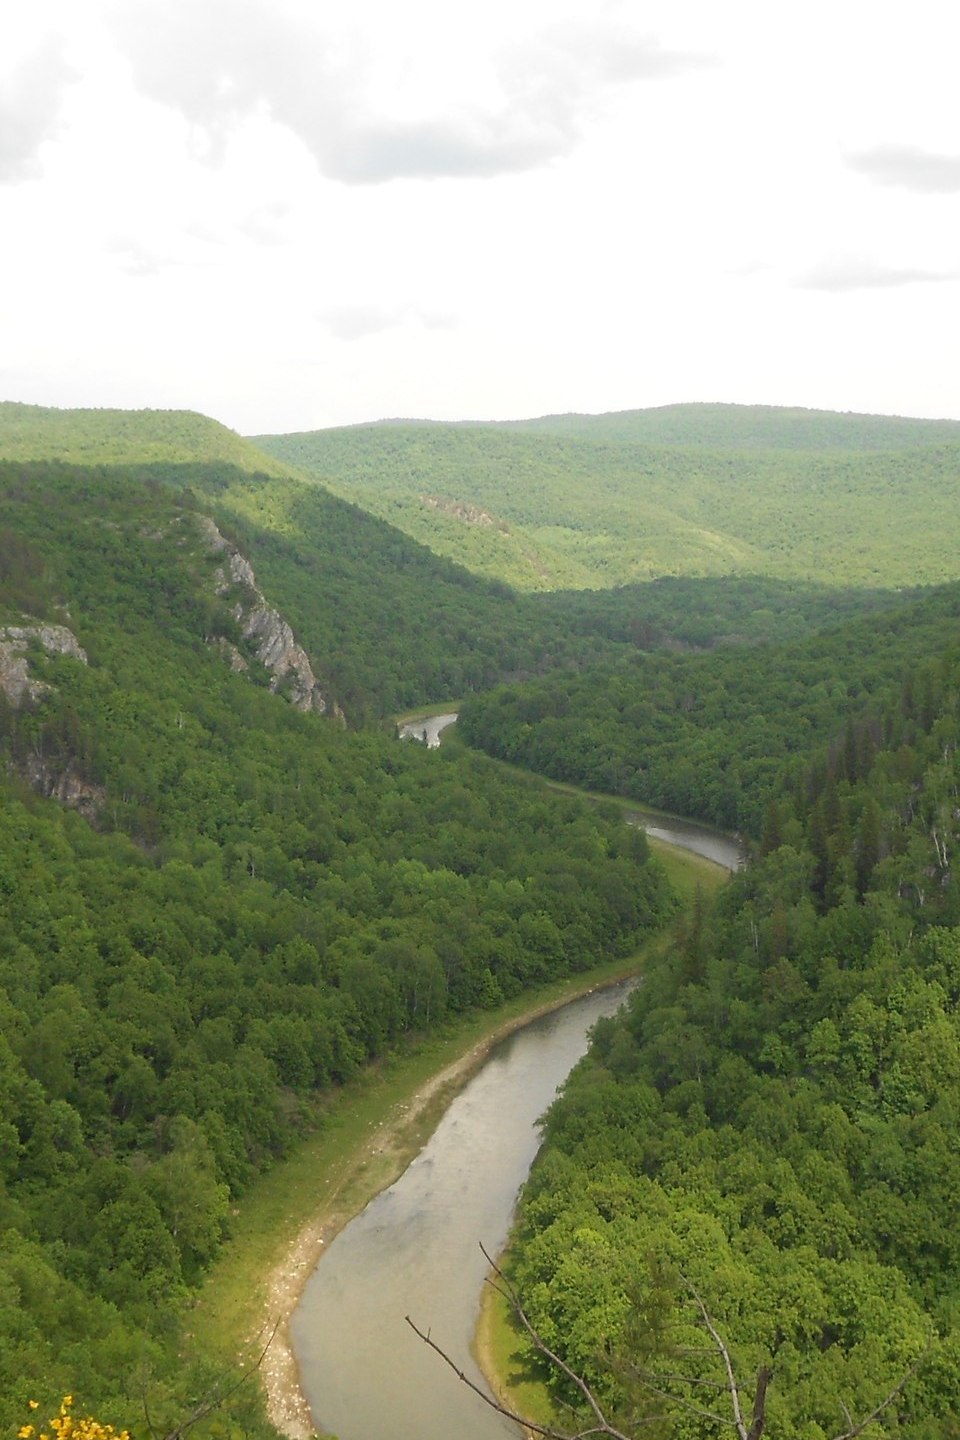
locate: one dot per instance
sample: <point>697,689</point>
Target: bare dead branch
<point>684,1404</point>
<point>727,1363</point>
<point>853,1430</point>
<point>605,1427</point>
<point>146,1412</point>
<point>502,1285</point>
<point>492,1401</point>
<point>650,1380</point>
<point>217,1397</point>
<point>764,1376</point>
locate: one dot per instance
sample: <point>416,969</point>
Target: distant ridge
<point>708,423</point>
<point>763,426</point>
<point>125,437</point>
<point>597,501</point>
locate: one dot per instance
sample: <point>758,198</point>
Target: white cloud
<point>225,59</point>
<point>909,167</point>
<point>356,322</point>
<point>30,105</point>
<point>228,206</point>
<point>841,273</point>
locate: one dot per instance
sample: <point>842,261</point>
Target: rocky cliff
<point>57,779</point>
<point>16,682</point>
<point>271,639</point>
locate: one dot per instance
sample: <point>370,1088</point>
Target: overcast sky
<point>290,214</point>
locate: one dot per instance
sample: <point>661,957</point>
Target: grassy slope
<point>578,502</point>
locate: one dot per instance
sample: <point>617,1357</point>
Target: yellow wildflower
<point>33,1404</point>
<point>25,1432</point>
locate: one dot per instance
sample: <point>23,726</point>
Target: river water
<point>714,845</point>
<point>427,730</point>
<point>415,1248</point>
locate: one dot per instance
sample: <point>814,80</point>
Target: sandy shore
<point>397,1140</point>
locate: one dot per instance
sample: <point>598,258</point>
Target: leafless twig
<point>855,1429</point>
<point>602,1425</point>
<point>649,1380</point>
<point>217,1397</point>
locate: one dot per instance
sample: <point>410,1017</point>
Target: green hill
<point>748,427</point>
<point>388,623</point>
<point>713,735</point>
<point>125,437</point>
<point>592,502</point>
<point>213,905</point>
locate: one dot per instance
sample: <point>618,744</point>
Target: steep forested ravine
<point>217,905</point>
<point>769,1135</point>
<point>388,1133</point>
<point>717,735</point>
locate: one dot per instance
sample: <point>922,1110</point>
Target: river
<point>714,845</point>
<point>427,728</point>
<point>415,1248</point>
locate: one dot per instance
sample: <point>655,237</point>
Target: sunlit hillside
<point>598,501</point>
<point>124,437</point>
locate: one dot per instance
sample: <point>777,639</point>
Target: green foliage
<point>124,437</point>
<point>389,624</point>
<point>263,902</point>
<point>774,1118</point>
<point>713,735</point>
<point>575,502</point>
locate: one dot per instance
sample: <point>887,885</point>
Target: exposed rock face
<point>64,785</point>
<point>273,641</point>
<point>465,511</point>
<point>19,686</point>
<point>16,681</point>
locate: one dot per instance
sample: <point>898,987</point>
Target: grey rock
<point>271,637</point>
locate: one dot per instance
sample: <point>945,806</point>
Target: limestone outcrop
<point>56,781</point>
<point>270,636</point>
<point>16,682</point>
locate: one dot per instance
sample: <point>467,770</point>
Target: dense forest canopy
<point>124,437</point>
<point>575,502</point>
<point>247,904</point>
<point>713,735</point>
<point>749,427</point>
<point>772,1124</point>
<point>215,906</point>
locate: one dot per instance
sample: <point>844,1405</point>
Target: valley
<point>242,923</point>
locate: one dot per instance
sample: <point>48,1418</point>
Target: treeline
<point>124,437</point>
<point>680,613</point>
<point>574,502</point>
<point>711,735</point>
<point>393,625</point>
<point>262,903</point>
<point>771,1125</point>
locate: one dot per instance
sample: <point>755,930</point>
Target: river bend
<point>415,1248</point>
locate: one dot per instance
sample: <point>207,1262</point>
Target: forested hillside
<point>389,623</point>
<point>219,902</point>
<point>713,735</point>
<point>231,904</point>
<point>749,427</point>
<point>125,437</point>
<point>770,1131</point>
<point>597,501</point>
